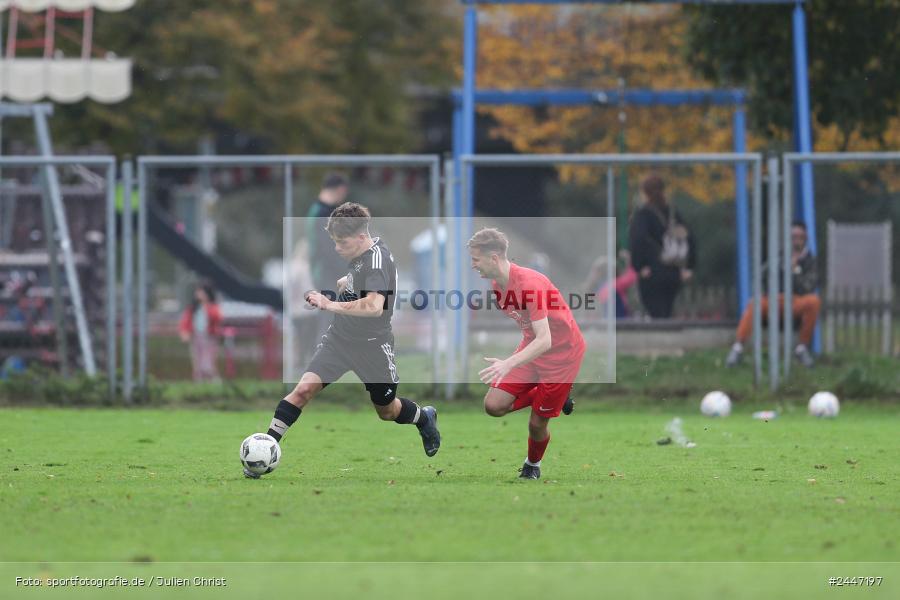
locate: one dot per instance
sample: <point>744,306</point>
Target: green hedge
<point>640,382</point>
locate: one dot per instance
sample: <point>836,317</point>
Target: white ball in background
<point>824,404</point>
<point>716,404</point>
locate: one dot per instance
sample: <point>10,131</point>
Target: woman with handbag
<point>663,250</point>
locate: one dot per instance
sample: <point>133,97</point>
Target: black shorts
<point>372,359</point>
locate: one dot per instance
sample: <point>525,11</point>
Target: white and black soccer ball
<point>260,453</point>
<point>824,405</point>
<point>716,404</point>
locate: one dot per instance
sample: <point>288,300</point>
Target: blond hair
<point>489,239</point>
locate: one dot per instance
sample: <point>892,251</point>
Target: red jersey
<point>530,296</point>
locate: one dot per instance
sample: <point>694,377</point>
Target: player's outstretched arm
<point>540,344</point>
<point>370,306</point>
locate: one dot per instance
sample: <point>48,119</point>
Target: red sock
<point>524,400</point>
<point>536,450</point>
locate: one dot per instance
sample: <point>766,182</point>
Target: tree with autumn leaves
<point>855,92</point>
<point>324,76</point>
<point>855,59</point>
<point>310,76</point>
<point>595,48</point>
<point>854,62</point>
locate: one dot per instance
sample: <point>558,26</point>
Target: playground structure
<point>34,67</point>
<point>84,256</point>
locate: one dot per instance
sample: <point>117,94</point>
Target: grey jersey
<point>372,271</point>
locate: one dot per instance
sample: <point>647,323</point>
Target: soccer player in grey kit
<point>359,338</point>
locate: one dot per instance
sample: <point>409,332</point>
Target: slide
<point>226,279</point>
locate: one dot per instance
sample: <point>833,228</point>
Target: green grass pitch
<point>156,486</point>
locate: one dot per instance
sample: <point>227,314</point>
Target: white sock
<point>738,347</point>
<point>531,464</point>
<point>800,348</point>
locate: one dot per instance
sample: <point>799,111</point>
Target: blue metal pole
<point>470,52</point>
<point>806,207</point>
<point>454,239</point>
<point>615,97</point>
<point>470,66</point>
<point>457,152</point>
<point>741,212</point>
<point>803,127</point>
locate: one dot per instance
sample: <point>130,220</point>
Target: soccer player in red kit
<point>542,369</point>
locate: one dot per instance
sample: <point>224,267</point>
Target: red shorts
<point>553,385</point>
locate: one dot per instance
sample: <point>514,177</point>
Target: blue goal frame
<point>465,101</point>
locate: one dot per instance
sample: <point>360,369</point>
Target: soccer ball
<point>260,453</point>
<point>824,404</point>
<point>716,404</point>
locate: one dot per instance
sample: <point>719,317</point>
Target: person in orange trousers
<point>805,303</point>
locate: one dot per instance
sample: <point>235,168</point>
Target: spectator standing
<point>326,266</point>
<point>663,249</point>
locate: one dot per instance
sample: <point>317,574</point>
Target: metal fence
<point>864,320</point>
<point>288,164</point>
<point>848,312</point>
<point>854,318</point>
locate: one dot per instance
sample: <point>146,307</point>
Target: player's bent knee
<point>388,412</point>
<point>382,395</point>
<point>497,402</point>
<point>495,410</point>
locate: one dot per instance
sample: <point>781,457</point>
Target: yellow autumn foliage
<point>548,47</point>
